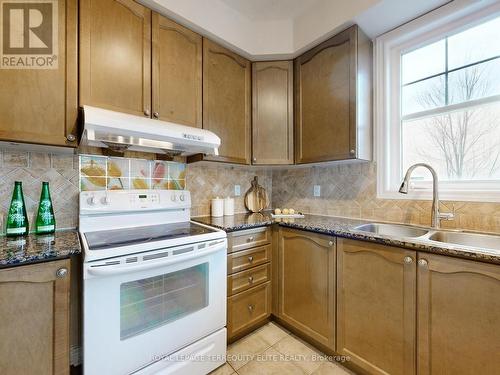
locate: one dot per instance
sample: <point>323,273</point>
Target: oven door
<point>140,308</point>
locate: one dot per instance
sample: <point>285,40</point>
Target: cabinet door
<point>115,56</point>
<point>325,97</point>
<point>226,101</point>
<point>40,105</point>
<point>35,319</point>
<point>458,316</point>
<point>272,108</point>
<point>306,286</point>
<point>376,293</point>
<point>177,72</point>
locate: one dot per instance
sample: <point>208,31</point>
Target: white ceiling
<point>282,29</point>
<point>270,9</point>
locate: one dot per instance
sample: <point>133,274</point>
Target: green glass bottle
<point>45,219</point>
<point>17,219</point>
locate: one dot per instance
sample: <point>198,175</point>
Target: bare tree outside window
<point>462,139</point>
<point>450,105</point>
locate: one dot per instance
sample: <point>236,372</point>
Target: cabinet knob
<point>353,152</point>
<point>250,239</point>
<point>250,279</point>
<point>147,112</point>
<point>61,272</point>
<point>250,308</point>
<point>156,115</point>
<point>408,260</point>
<point>250,259</point>
<point>71,137</point>
<point>422,262</point>
<point>330,243</point>
<point>254,159</point>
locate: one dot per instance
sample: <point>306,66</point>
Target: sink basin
<point>392,230</point>
<point>484,241</point>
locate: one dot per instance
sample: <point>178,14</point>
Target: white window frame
<point>433,26</point>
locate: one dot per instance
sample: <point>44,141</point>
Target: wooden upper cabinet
<point>226,101</point>
<point>40,105</point>
<point>35,319</point>
<point>458,316</point>
<point>333,112</point>
<point>376,306</point>
<point>177,73</point>
<point>306,284</point>
<point>272,112</point>
<point>115,55</point>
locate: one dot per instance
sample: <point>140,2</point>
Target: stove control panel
<point>133,200</point>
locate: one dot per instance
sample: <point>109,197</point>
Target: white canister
<point>217,207</point>
<point>228,206</point>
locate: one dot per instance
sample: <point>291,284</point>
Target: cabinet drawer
<point>247,239</point>
<point>248,308</point>
<point>243,260</point>
<point>244,280</point>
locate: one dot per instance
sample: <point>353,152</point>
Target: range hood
<point>121,131</point>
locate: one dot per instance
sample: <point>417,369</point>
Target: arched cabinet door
<point>376,302</point>
<point>306,284</point>
<point>458,316</point>
<point>332,99</point>
<point>115,56</point>
<point>177,73</point>
<point>272,112</point>
<point>226,101</point>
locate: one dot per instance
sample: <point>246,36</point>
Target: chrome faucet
<point>436,216</point>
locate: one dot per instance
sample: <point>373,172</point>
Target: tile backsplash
<point>350,190</point>
<point>109,173</point>
<point>61,171</point>
<point>347,190</point>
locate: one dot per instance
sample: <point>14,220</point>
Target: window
<point>439,91</point>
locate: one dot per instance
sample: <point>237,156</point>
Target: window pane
<point>461,146</point>
<point>149,303</point>
<point>476,82</point>
<point>423,95</point>
<point>423,62</point>
<point>475,44</point>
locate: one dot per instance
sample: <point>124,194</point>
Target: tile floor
<point>273,350</point>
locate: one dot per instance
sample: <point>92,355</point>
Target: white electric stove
<point>154,290</point>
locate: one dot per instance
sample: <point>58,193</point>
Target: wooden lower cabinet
<point>248,308</point>
<point>34,319</point>
<point>458,316</point>
<point>376,302</point>
<point>306,284</point>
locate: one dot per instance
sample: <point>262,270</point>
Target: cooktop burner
<point>129,236</point>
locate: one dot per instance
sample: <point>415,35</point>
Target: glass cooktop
<point>132,236</point>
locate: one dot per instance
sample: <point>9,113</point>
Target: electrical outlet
<point>317,190</point>
<point>237,190</point>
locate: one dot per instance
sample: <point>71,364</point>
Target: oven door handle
<point>109,270</point>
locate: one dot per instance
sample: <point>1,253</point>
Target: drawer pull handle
<point>250,259</point>
<point>250,308</point>
<point>250,279</point>
<point>250,239</point>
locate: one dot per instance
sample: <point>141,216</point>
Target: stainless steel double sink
<point>450,237</point>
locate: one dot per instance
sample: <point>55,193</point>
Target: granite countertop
<point>35,249</point>
<point>343,227</point>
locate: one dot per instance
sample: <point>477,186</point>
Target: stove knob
<point>105,200</point>
<point>173,197</point>
<point>181,197</point>
<point>91,201</point>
